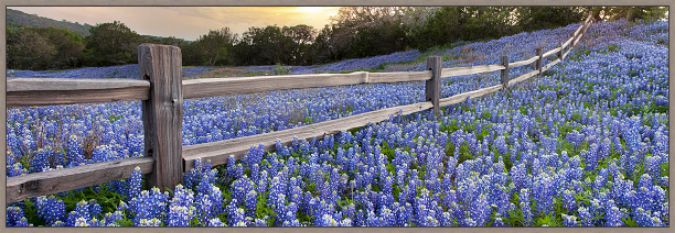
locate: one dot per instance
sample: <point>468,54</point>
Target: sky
<point>188,22</point>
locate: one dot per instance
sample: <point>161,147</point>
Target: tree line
<point>354,32</point>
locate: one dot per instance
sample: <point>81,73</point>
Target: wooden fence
<point>162,91</point>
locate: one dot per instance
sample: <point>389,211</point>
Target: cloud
<point>188,22</point>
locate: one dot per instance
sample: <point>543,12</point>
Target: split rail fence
<point>162,91</point>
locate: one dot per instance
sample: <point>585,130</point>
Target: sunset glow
<point>189,22</point>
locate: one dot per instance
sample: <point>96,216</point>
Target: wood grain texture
<point>218,152</point>
<point>455,99</point>
<point>551,64</point>
<point>432,88</point>
<point>50,182</point>
<point>568,42</point>
<point>540,59</point>
<point>198,88</point>
<point>551,52</point>
<point>576,32</point>
<point>469,70</point>
<point>163,113</point>
<point>392,77</point>
<point>67,84</point>
<point>504,76</point>
<point>567,53</point>
<point>523,77</point>
<point>582,30</point>
<point>51,91</point>
<point>523,62</point>
<point>37,98</point>
<point>578,36</point>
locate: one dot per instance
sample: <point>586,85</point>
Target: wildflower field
<point>584,144</point>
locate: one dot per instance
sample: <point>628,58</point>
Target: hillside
<point>19,18</point>
<point>583,144</point>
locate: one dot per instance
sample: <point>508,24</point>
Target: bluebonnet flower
<point>111,219</point>
<point>50,209</point>
<point>181,209</point>
<point>40,161</point>
<point>74,152</point>
<point>569,220</point>
<point>148,205</point>
<point>155,222</point>
<point>585,216</point>
<point>215,222</point>
<point>135,183</point>
<point>15,217</point>
<point>209,204</point>
<point>613,215</point>
<point>524,196</point>
<point>80,216</point>
<point>420,184</point>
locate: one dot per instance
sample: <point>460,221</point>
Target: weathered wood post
<point>540,59</point>
<point>505,71</point>
<point>163,112</point>
<point>561,52</point>
<point>433,85</point>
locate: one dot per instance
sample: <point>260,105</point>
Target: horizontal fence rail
<point>524,62</point>
<point>199,88</point>
<point>162,92</point>
<point>469,70</point>
<point>55,181</point>
<point>218,152</point>
<point>46,91</point>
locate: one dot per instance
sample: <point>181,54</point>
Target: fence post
<point>505,71</point>
<point>560,53</point>
<point>433,85</point>
<point>163,112</point>
<point>540,60</point>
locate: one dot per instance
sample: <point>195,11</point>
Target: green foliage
<point>43,48</point>
<point>111,44</point>
<point>262,210</point>
<point>271,45</point>
<point>213,48</point>
<point>547,221</point>
<point>632,13</point>
<point>354,32</point>
<point>125,222</point>
<point>464,153</point>
<point>281,70</point>
<point>537,17</point>
<point>114,118</point>
<point>613,48</point>
<point>31,213</point>
<point>307,120</point>
<point>629,222</point>
<point>105,197</point>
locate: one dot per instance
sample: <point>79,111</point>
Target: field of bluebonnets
<point>585,144</point>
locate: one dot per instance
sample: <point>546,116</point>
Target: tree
<point>111,44</point>
<point>537,18</point>
<point>27,49</point>
<point>302,37</point>
<point>212,48</point>
<point>68,44</point>
<point>264,46</point>
<point>364,31</point>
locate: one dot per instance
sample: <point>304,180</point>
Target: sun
<point>310,10</point>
